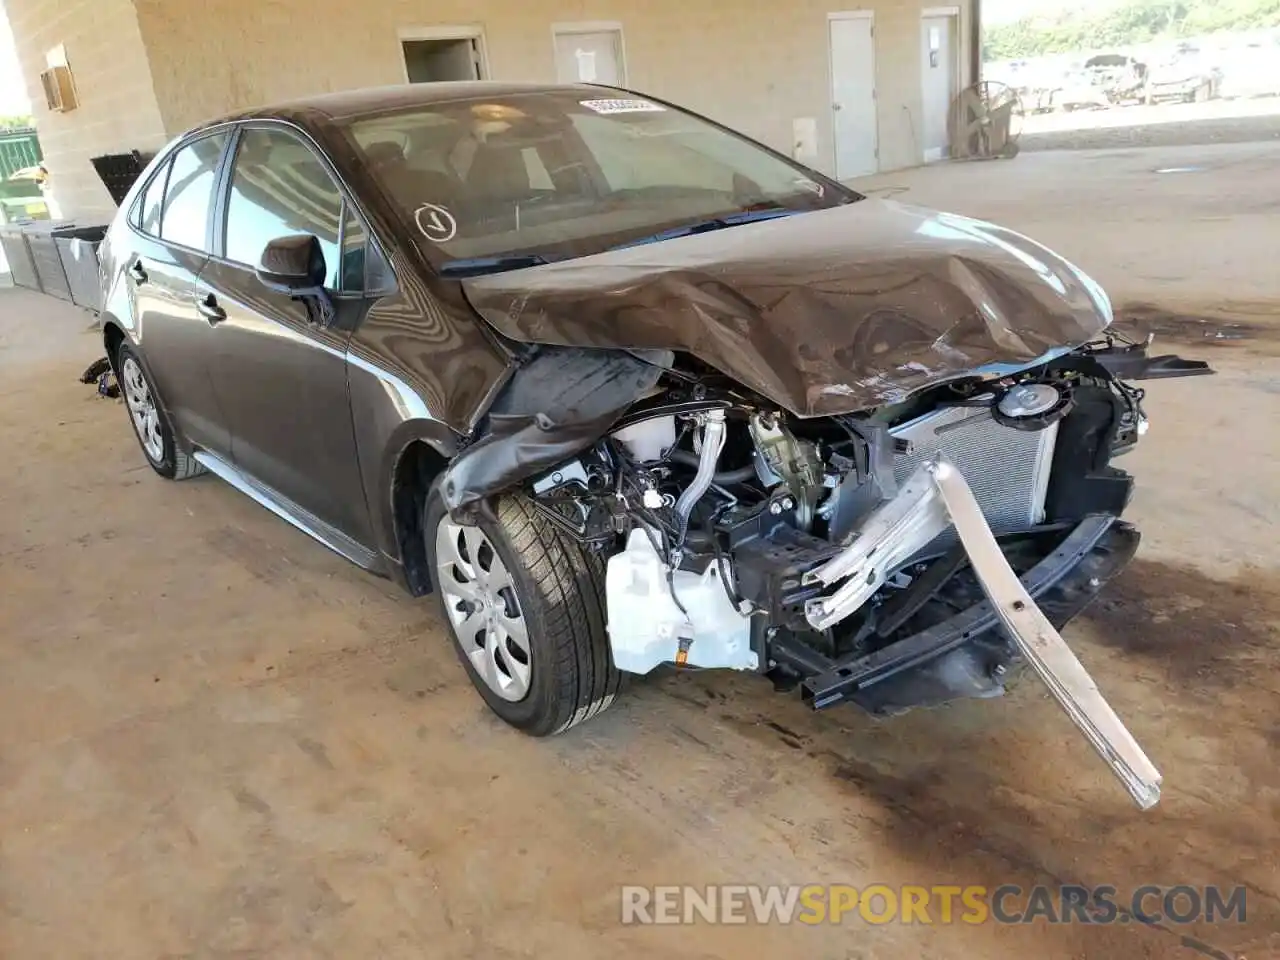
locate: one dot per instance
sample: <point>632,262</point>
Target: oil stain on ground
<point>990,792</point>
<point>1256,323</point>
<point>1200,630</point>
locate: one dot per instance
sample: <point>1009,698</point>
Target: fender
<point>391,420</point>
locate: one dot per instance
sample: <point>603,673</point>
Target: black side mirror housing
<point>293,264</point>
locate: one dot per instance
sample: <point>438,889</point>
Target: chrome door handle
<point>209,309</point>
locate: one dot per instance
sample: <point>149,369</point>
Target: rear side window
<point>280,187</point>
<point>152,202</point>
<point>190,193</point>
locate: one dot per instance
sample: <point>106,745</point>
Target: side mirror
<point>293,264</point>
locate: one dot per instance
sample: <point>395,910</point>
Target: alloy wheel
<point>142,408</point>
<point>480,599</point>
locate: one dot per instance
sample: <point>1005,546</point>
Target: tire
<point>151,423</point>
<point>556,591</point>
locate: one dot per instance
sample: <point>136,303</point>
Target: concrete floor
<point>218,740</point>
<point>1166,124</point>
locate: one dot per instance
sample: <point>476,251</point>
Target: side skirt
<point>281,506</point>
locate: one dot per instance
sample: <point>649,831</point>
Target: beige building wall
<point>753,64</point>
<point>146,70</point>
<point>117,109</point>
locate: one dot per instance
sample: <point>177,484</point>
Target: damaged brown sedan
<point>624,388</point>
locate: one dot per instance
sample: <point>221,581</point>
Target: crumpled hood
<point>824,313</point>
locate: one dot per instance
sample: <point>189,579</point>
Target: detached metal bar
<point>1042,645</point>
<point>934,497</point>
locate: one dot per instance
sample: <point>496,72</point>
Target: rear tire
<point>151,423</point>
<point>543,589</point>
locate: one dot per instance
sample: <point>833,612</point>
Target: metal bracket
<point>1042,645</point>
<point>937,495</point>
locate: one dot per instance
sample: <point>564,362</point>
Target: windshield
<point>552,175</point>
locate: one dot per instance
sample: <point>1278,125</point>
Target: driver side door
<point>280,371</point>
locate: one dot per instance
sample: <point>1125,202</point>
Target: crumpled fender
<point>556,405</point>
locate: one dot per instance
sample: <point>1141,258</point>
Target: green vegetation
<point>1134,22</point>
<point>16,123</point>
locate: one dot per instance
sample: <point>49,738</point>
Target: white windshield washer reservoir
<point>649,439</point>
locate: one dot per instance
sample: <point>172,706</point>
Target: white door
<point>853,95</point>
<point>589,57</point>
<point>939,81</point>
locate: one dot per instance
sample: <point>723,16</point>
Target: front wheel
<point>150,421</point>
<point>524,603</point>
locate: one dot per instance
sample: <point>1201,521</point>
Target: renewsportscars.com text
<point>939,904</point>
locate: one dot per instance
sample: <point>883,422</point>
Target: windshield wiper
<point>479,266</point>
<point>706,226</point>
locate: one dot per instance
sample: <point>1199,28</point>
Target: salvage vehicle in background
<point>1118,77</point>
<point>1183,78</point>
<point>624,388</point>
<point>1078,90</point>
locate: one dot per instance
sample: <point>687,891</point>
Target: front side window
<point>189,196</point>
<point>279,187</point>
<point>563,174</point>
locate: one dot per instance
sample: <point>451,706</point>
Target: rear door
<point>171,243</point>
<point>280,369</point>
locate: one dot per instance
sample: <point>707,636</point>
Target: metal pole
<point>975,41</point>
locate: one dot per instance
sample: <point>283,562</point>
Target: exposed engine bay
<point>841,553</point>
<point>712,509</point>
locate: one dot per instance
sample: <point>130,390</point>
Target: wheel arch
<point>113,334</point>
<point>418,455</point>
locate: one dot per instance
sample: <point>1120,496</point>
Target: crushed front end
<point>902,556</point>
<point>866,452</point>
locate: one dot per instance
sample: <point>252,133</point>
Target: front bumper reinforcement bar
<point>934,497</point>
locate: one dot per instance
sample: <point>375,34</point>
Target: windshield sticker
<point>623,106</point>
<point>436,223</point>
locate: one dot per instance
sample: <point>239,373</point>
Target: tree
<point>1133,23</point>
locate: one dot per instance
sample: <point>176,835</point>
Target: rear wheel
<point>150,422</point>
<point>524,604</point>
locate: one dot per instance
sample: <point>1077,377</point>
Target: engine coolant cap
<point>1029,400</point>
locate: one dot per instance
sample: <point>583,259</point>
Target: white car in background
<point>1079,91</point>
<point>1184,77</point>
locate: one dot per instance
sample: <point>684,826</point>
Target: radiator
<point>1007,469</point>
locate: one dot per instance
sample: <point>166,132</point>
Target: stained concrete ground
<point>219,740</point>
<point>1161,125</point>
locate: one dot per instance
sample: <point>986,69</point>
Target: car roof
<point>347,105</point>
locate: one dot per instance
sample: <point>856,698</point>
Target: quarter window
<point>279,188</point>
<point>355,243</point>
<point>190,193</point>
<point>152,202</point>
